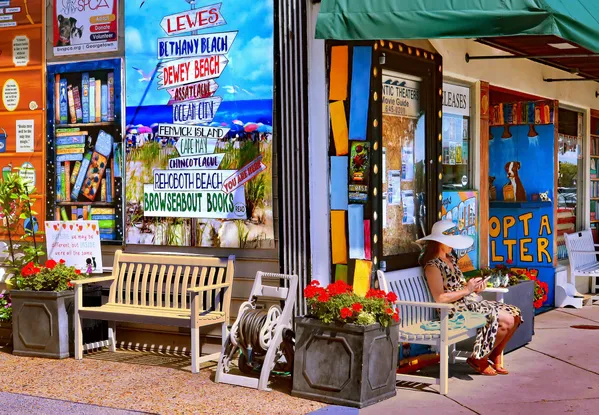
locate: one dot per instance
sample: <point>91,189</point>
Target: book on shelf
<point>77,98</point>
<point>63,181</point>
<point>111,96</point>
<point>58,184</point>
<point>73,212</point>
<point>63,214</point>
<point>101,211</point>
<point>103,217</point>
<point>73,115</point>
<point>69,157</point>
<point>70,149</point>
<point>109,185</point>
<point>104,103</point>
<point>75,171</point>
<point>81,175</point>
<point>98,100</point>
<point>85,212</point>
<point>92,182</point>
<point>57,98</point>
<point>70,139</point>
<point>63,102</point>
<point>103,191</point>
<point>85,96</point>
<point>92,100</point>
<point>67,182</point>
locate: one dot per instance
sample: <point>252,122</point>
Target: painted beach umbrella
<point>144,130</point>
<point>250,127</point>
<point>237,122</point>
<point>224,124</point>
<point>214,124</point>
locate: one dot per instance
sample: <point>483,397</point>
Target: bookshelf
<point>84,146</point>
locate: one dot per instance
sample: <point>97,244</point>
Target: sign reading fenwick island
<point>199,134</point>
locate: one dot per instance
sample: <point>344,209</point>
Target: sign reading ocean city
<point>192,186</point>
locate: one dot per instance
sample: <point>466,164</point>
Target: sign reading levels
<point>75,242</point>
<point>401,96</point>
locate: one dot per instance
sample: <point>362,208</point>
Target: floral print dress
<point>453,280</point>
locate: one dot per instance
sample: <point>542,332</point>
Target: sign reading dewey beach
<point>199,115</point>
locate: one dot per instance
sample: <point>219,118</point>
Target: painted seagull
<point>144,77</point>
<point>234,89</point>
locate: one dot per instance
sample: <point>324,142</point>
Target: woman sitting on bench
<point>448,285</point>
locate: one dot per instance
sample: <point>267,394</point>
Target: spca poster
<point>85,26</point>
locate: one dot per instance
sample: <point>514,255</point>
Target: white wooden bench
<point>417,306</point>
<point>583,263</point>
<point>174,290</point>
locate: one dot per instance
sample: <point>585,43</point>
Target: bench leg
<point>444,370</point>
<point>112,335</point>
<point>77,324</point>
<point>195,350</point>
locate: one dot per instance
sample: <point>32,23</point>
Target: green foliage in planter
<point>337,303</point>
<point>5,307</point>
<point>52,276</point>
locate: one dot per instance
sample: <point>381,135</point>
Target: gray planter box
<point>346,364</point>
<point>42,323</point>
<point>5,334</point>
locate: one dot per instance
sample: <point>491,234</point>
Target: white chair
<point>417,306</point>
<point>583,263</point>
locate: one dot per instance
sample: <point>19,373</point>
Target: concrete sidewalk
<point>557,373</point>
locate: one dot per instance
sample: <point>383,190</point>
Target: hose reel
<point>261,338</point>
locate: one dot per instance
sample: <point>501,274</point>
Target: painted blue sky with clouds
<point>250,64</point>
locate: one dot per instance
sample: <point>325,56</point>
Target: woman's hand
<point>481,287</point>
<point>474,285</point>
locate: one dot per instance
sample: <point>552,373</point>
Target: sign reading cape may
<point>192,186</point>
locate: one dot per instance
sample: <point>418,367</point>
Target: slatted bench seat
<point>182,291</point>
<point>582,255</point>
<point>417,306</point>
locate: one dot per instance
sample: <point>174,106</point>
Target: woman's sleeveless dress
<point>453,280</point>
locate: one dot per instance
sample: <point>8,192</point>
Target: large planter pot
<point>42,323</point>
<point>522,296</point>
<point>344,364</point>
<point>5,334</point>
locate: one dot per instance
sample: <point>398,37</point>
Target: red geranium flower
<point>323,297</point>
<point>315,282</point>
<point>50,264</point>
<point>357,307</point>
<point>77,272</point>
<point>396,317</point>
<point>62,261</point>
<point>391,297</point>
<point>346,312</point>
<point>389,311</point>
<point>372,293</point>
<point>70,284</point>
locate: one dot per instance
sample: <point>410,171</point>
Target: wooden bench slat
<point>144,284</point>
<point>137,277</point>
<point>185,286</point>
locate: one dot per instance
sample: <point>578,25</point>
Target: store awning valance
<point>576,21</point>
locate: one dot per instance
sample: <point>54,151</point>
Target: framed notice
<point>199,137</point>
<point>82,27</point>
<point>77,243</point>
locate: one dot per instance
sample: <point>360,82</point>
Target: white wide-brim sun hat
<point>443,232</point>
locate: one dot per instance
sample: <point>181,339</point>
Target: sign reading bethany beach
<point>199,115</point>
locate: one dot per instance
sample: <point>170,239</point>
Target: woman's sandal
<point>487,371</point>
<point>500,370</point>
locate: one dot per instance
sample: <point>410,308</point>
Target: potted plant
<point>43,309</point>
<point>346,347</point>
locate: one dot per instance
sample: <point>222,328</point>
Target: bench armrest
<point>207,288</point>
<point>496,290</point>
<point>92,280</point>
<point>424,304</point>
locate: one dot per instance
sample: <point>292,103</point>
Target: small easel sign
<point>77,243</point>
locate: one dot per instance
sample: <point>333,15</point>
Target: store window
<point>456,151</point>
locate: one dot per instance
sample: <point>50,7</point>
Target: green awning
<point>573,20</point>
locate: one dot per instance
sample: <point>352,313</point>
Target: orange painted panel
<point>29,89</point>
<point>7,40</point>
<point>19,10</point>
<point>8,122</point>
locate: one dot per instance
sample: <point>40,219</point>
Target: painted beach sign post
<point>198,174</point>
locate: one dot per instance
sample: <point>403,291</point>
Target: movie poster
<point>85,26</point>
<point>199,123</point>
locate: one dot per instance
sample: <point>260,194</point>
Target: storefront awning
<point>563,34</point>
<point>573,20</point>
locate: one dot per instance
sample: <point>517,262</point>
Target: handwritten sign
<point>11,94</point>
<point>194,204</point>
<point>244,175</point>
<point>190,92</point>
<point>177,130</point>
<point>195,112</point>
<point>209,161</point>
<point>195,146</point>
<point>196,45</point>
<point>196,19</point>
<point>75,242</point>
<point>184,71</point>
<point>20,50</point>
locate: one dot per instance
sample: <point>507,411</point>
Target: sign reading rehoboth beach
<point>199,123</point>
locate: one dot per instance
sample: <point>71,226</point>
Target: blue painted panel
<point>360,92</point>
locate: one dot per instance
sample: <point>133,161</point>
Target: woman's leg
<point>507,327</point>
